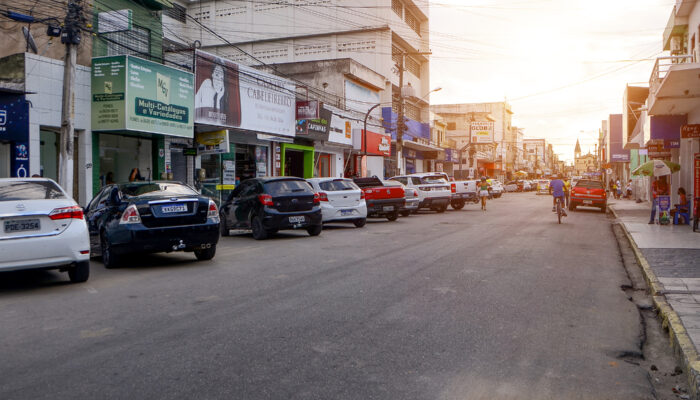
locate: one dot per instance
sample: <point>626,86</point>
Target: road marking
<point>87,334</point>
<point>92,290</point>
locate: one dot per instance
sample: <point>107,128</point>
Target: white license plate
<point>344,213</point>
<point>174,208</point>
<point>21,225</point>
<point>388,208</point>
<point>588,202</point>
<point>297,219</point>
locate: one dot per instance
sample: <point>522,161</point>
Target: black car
<point>151,217</point>
<point>267,205</point>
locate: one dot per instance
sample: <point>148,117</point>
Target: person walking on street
<point>567,191</point>
<point>483,192</point>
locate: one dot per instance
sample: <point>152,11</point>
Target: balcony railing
<point>661,68</point>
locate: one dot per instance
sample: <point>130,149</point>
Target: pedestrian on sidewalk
<point>658,188</point>
<point>618,185</point>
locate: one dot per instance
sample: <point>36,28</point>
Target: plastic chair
<point>685,214</point>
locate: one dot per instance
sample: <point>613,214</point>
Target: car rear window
<point>284,187</point>
<point>165,189</point>
<point>337,185</point>
<point>30,190</point>
<point>432,179</point>
<point>590,184</point>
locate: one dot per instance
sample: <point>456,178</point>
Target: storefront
<point>14,136</point>
<point>137,106</point>
<point>374,149</point>
<point>416,138</point>
<point>335,153</point>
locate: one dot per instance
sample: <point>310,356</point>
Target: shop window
<point>119,155</point>
<point>412,112</point>
<point>135,42</point>
<point>323,166</point>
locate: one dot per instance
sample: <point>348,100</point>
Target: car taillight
<point>322,196</point>
<point>362,195</point>
<point>454,188</point>
<point>130,216</point>
<point>213,210</point>
<point>415,193</point>
<point>66,213</point>
<point>317,198</point>
<point>266,200</point>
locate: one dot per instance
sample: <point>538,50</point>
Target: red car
<point>382,201</point>
<point>588,193</point>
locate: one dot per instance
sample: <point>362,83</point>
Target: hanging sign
<point>690,131</point>
<point>212,142</point>
<point>482,132</point>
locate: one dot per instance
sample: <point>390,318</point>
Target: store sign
<point>377,144</point>
<point>189,151</point>
<point>672,143</point>
<point>341,128</point>
<point>308,109</point>
<point>482,132</point>
<point>14,128</point>
<point>690,131</point>
<point>133,94</point>
<point>235,96</point>
<point>315,129</point>
<point>212,142</point>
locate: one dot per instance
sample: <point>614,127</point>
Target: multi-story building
<point>536,155</point>
<point>483,133</point>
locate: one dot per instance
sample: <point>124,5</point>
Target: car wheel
<point>80,272</point>
<point>223,227</point>
<point>315,230</point>
<point>360,222</point>
<point>109,259</point>
<point>457,205</point>
<point>259,232</point>
<point>405,213</point>
<point>393,216</point>
<point>205,254</point>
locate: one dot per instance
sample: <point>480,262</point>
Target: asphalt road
<point>501,304</point>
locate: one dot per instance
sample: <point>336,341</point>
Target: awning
<point>421,146</point>
<point>636,139</point>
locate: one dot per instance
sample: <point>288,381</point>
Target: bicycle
<point>559,209</point>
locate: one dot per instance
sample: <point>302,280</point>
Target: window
<point>413,22</point>
<point>412,112</point>
<point>397,7</point>
<point>285,187</point>
<point>413,66</point>
<point>136,42</point>
<point>396,54</point>
<point>338,185</point>
<point>178,13</point>
<point>30,190</point>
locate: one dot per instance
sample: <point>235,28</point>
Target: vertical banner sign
<point>482,132</point>
<point>696,182</point>
<point>14,128</point>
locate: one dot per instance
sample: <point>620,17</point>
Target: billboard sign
<point>133,94</point>
<point>690,131</point>
<point>482,132</point>
<point>230,95</point>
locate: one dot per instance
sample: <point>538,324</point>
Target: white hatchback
<point>341,200</point>
<point>41,227</point>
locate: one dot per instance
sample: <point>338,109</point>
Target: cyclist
<point>556,188</point>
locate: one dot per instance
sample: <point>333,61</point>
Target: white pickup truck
<point>463,192</point>
<point>433,189</point>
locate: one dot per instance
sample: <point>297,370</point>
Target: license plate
<point>21,225</point>
<point>297,219</point>
<point>388,208</point>
<point>174,208</point>
<point>344,213</point>
<point>588,202</point>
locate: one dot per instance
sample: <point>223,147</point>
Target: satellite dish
<point>30,40</point>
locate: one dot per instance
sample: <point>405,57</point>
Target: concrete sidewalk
<point>669,256</point>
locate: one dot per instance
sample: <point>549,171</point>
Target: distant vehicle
<point>410,196</point>
<point>588,193</point>
<point>271,204</point>
<point>543,186</point>
<point>513,187</point>
<point>433,189</point>
<point>496,190</point>
<point>42,228</point>
<point>151,217</point>
<point>527,186</point>
<point>462,192</point>
<point>382,201</point>
<point>341,200</point>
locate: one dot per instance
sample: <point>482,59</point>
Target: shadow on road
<point>15,281</point>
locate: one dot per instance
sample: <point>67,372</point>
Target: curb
<point>678,336</point>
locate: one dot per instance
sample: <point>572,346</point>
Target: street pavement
<point>501,304</point>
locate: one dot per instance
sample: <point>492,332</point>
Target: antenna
<point>30,40</point>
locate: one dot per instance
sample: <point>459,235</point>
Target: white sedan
<point>341,200</point>
<point>42,228</point>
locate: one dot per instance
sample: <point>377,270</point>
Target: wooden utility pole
<point>71,38</point>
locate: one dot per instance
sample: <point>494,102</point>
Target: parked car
<point>341,200</point>
<point>151,217</point>
<point>527,186</point>
<point>496,190</point>
<point>382,201</point>
<point>462,192</point>
<point>588,193</point>
<point>543,186</point>
<point>43,228</point>
<point>513,187</point>
<point>433,190</point>
<point>270,204</point>
<point>410,196</point>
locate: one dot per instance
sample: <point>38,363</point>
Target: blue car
<point>151,217</point>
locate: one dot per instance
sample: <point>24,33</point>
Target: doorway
<point>323,166</point>
<point>48,154</point>
<point>294,163</point>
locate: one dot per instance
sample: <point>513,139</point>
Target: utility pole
<point>71,38</point>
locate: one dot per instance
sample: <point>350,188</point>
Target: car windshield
<point>30,190</point>
<point>432,179</point>
<point>337,185</point>
<point>169,189</point>
<point>589,184</point>
<point>284,187</point>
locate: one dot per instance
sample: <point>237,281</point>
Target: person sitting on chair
<point>682,205</point>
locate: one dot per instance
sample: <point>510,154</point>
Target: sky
<point>561,64</point>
